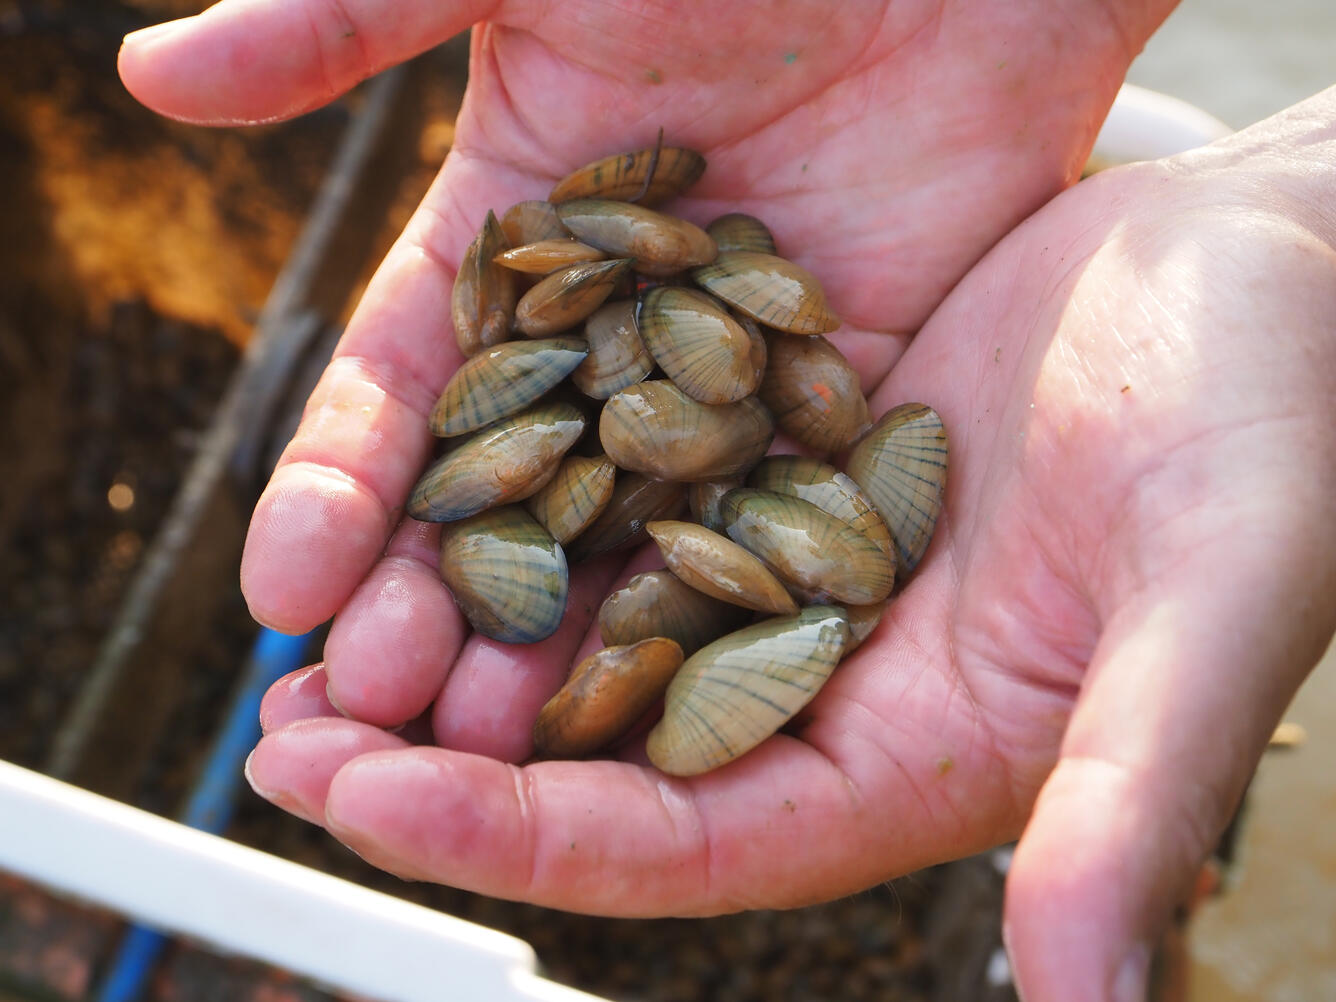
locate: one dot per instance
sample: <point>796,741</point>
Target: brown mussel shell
<point>770,290</point>
<point>830,490</point>
<point>737,231</point>
<point>605,695</point>
<point>656,429</point>
<point>636,501</point>
<point>660,604</point>
<point>482,303</point>
<point>546,256</point>
<point>659,244</point>
<point>731,695</point>
<point>502,381</point>
<point>507,575</point>
<point>532,221</point>
<point>675,169</point>
<point>567,297</point>
<point>700,347</point>
<point>719,567</point>
<point>901,464</point>
<point>703,498</point>
<point>568,503</point>
<point>814,393</point>
<point>504,463</point>
<point>822,558</point>
<point>617,354</point>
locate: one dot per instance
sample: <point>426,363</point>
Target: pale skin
<point>1134,570</point>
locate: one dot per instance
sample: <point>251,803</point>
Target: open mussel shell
<point>568,503</point>
<point>719,567</point>
<point>605,695</point>
<point>482,303</point>
<point>636,501</point>
<point>823,558</point>
<point>546,256</point>
<point>660,604</point>
<point>738,231</point>
<point>506,462</point>
<point>830,490</point>
<point>901,464</point>
<point>703,499</point>
<point>566,297</point>
<point>769,289</point>
<point>531,221</point>
<point>656,429</point>
<point>617,354</point>
<point>507,575</point>
<point>502,381</point>
<point>731,695</point>
<point>700,347</point>
<point>814,392</point>
<point>659,244</point>
<point>674,170</point>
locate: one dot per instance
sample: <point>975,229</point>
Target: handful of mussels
<point>566,309</point>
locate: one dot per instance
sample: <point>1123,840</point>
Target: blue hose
<point>213,797</point>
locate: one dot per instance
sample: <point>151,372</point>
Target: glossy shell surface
<point>719,567</point>
<point>659,244</point>
<point>731,695</point>
<point>482,303</point>
<point>636,501</point>
<point>830,490</point>
<point>530,221</point>
<point>566,297</point>
<point>507,575</point>
<point>675,169</point>
<point>737,231</point>
<point>813,392</point>
<point>703,499</point>
<point>501,381</point>
<point>617,356</point>
<point>660,604</point>
<point>700,347</point>
<point>568,503</point>
<point>769,289</point>
<point>546,256</point>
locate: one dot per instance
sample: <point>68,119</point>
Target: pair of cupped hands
<point>1136,564</point>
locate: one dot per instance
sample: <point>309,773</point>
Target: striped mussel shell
<point>659,244</point>
<point>901,464</point>
<point>566,297</point>
<point>660,604</point>
<point>719,567</point>
<point>770,290</point>
<point>617,354</point>
<point>822,558</point>
<point>700,347</point>
<point>604,697</point>
<point>863,619</point>
<point>507,575</point>
<point>731,695</point>
<point>503,463</point>
<point>532,221</point>
<point>502,381</point>
<point>636,501</point>
<point>737,231</point>
<point>814,392</point>
<point>669,170</point>
<point>656,429</point>
<point>546,256</point>
<point>703,498</point>
<point>482,303</point>
<point>568,503</point>
<point>830,490</point>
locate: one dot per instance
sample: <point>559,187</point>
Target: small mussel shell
<point>506,462</point>
<point>733,694</point>
<point>660,604</point>
<point>502,381</point>
<point>605,695</point>
<point>531,221</point>
<point>814,393</point>
<point>566,297</point>
<point>636,501</point>
<point>830,490</point>
<point>656,429</point>
<point>901,464</point>
<point>717,566</point>
<point>738,231</point>
<point>482,302</point>
<point>822,557</point>
<point>659,244</point>
<point>675,169</point>
<point>769,289</point>
<point>699,345</point>
<point>507,575</point>
<point>703,499</point>
<point>617,355</point>
<point>572,499</point>
<point>863,619</point>
<point>546,256</point>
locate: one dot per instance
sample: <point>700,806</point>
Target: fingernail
<point>153,32</point>
<point>1129,985</point>
<point>250,778</point>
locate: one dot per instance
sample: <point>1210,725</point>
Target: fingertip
<point>296,696</point>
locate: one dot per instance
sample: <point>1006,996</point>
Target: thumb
<point>1184,690</point>
<point>250,61</point>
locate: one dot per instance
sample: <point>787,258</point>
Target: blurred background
<point>138,256</point>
